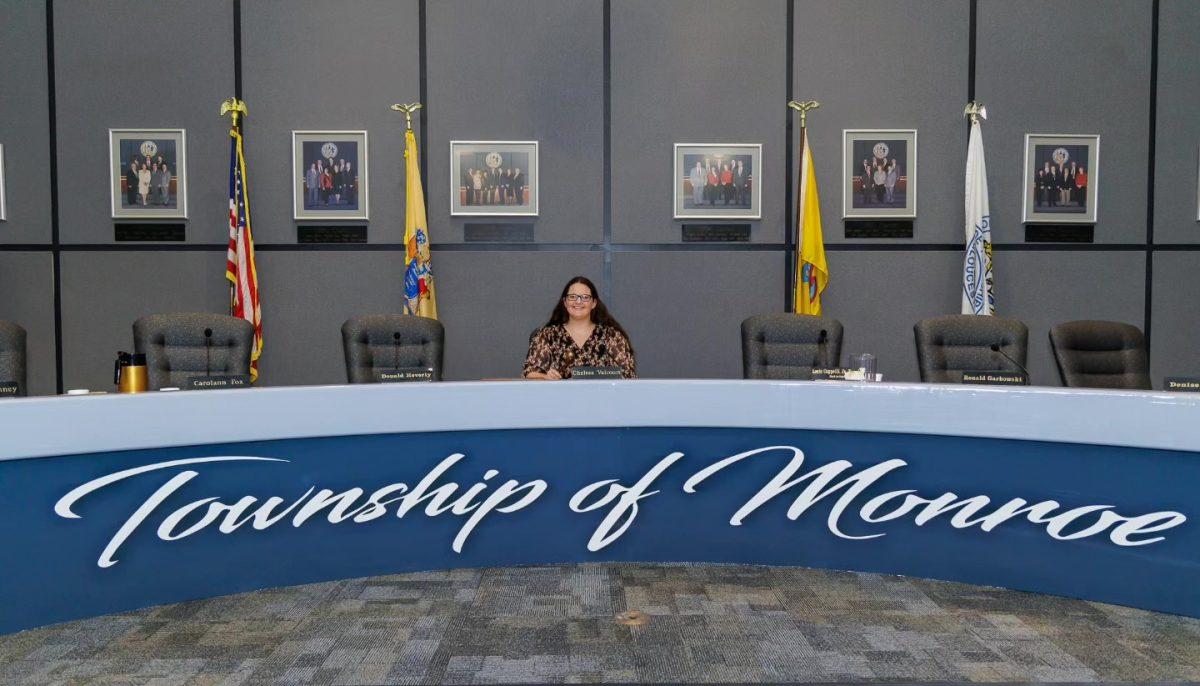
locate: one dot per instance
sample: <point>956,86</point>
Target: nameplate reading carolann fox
<point>1182,384</point>
<point>202,383</point>
<point>833,374</point>
<point>9,389</point>
<point>406,374</point>
<point>595,372</point>
<point>995,378</point>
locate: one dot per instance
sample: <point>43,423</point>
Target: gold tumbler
<point>129,372</point>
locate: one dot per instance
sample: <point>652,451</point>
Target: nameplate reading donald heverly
<point>406,374</point>
<point>831,374</point>
<point>204,383</point>
<point>995,378</point>
<point>1182,384</point>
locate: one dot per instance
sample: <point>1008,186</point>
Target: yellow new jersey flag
<point>812,274</point>
<point>418,277</point>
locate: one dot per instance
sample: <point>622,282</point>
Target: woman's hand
<point>553,375</point>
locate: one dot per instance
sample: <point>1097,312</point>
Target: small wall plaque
<point>716,233</point>
<point>9,389</point>
<point>1182,384</point>
<point>994,378</point>
<point>331,234</point>
<point>204,383</point>
<point>606,372</point>
<point>498,233</point>
<point>149,233</point>
<point>889,228</point>
<point>1060,233</point>
<point>405,374</point>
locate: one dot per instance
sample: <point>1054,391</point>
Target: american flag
<point>239,265</point>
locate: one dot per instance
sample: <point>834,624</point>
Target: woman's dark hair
<point>600,313</point>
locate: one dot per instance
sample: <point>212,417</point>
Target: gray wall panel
<point>490,302</point>
<point>105,77</point>
<point>1048,288</point>
<point>683,326</point>
<point>1028,88</point>
<point>31,274</point>
<point>1176,327</point>
<point>879,296</point>
<point>307,296</point>
<point>914,77</point>
<point>290,84</point>
<point>1178,128</point>
<point>24,116</point>
<point>103,293</point>
<point>521,70</point>
<point>672,84</point>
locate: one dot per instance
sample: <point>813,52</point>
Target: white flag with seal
<point>977,264</point>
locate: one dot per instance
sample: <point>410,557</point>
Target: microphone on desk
<point>396,350</point>
<point>996,349</point>
<point>819,361</point>
<point>208,352</point>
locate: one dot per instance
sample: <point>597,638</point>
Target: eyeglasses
<point>583,299</point>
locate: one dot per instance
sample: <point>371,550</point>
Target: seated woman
<point>580,333</point>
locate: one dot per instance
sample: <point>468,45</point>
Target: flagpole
<point>408,110</point>
<point>802,107</point>
<point>234,108</point>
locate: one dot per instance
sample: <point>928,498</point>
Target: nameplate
<point>1182,384</point>
<point>498,233</point>
<point>985,378</point>
<point>331,234</point>
<point>9,389</point>
<point>831,374</point>
<point>1060,233</point>
<point>149,233</point>
<point>716,233</point>
<point>204,383</point>
<point>879,228</point>
<point>595,372</point>
<point>405,374</point>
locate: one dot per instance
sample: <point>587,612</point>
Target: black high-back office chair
<point>181,345</point>
<point>12,356</point>
<point>385,342</point>
<point>1100,354</point>
<point>788,346</point>
<point>948,346</point>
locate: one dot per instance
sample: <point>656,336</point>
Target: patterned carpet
<point>705,623</point>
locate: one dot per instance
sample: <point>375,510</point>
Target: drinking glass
<point>864,362</point>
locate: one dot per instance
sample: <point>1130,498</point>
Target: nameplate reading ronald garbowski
<point>199,383</point>
<point>1182,384</point>
<point>854,505</point>
<point>406,374</point>
<point>995,378</point>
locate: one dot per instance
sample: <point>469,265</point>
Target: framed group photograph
<point>148,173</point>
<point>718,181</point>
<point>329,175</point>
<point>494,178</point>
<point>879,173</point>
<point>3,181</point>
<point>1062,174</point>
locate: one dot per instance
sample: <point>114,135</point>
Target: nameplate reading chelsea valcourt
<point>1182,384</point>
<point>595,372</point>
<point>201,383</point>
<point>9,389</point>
<point>406,374</point>
<point>985,378</point>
